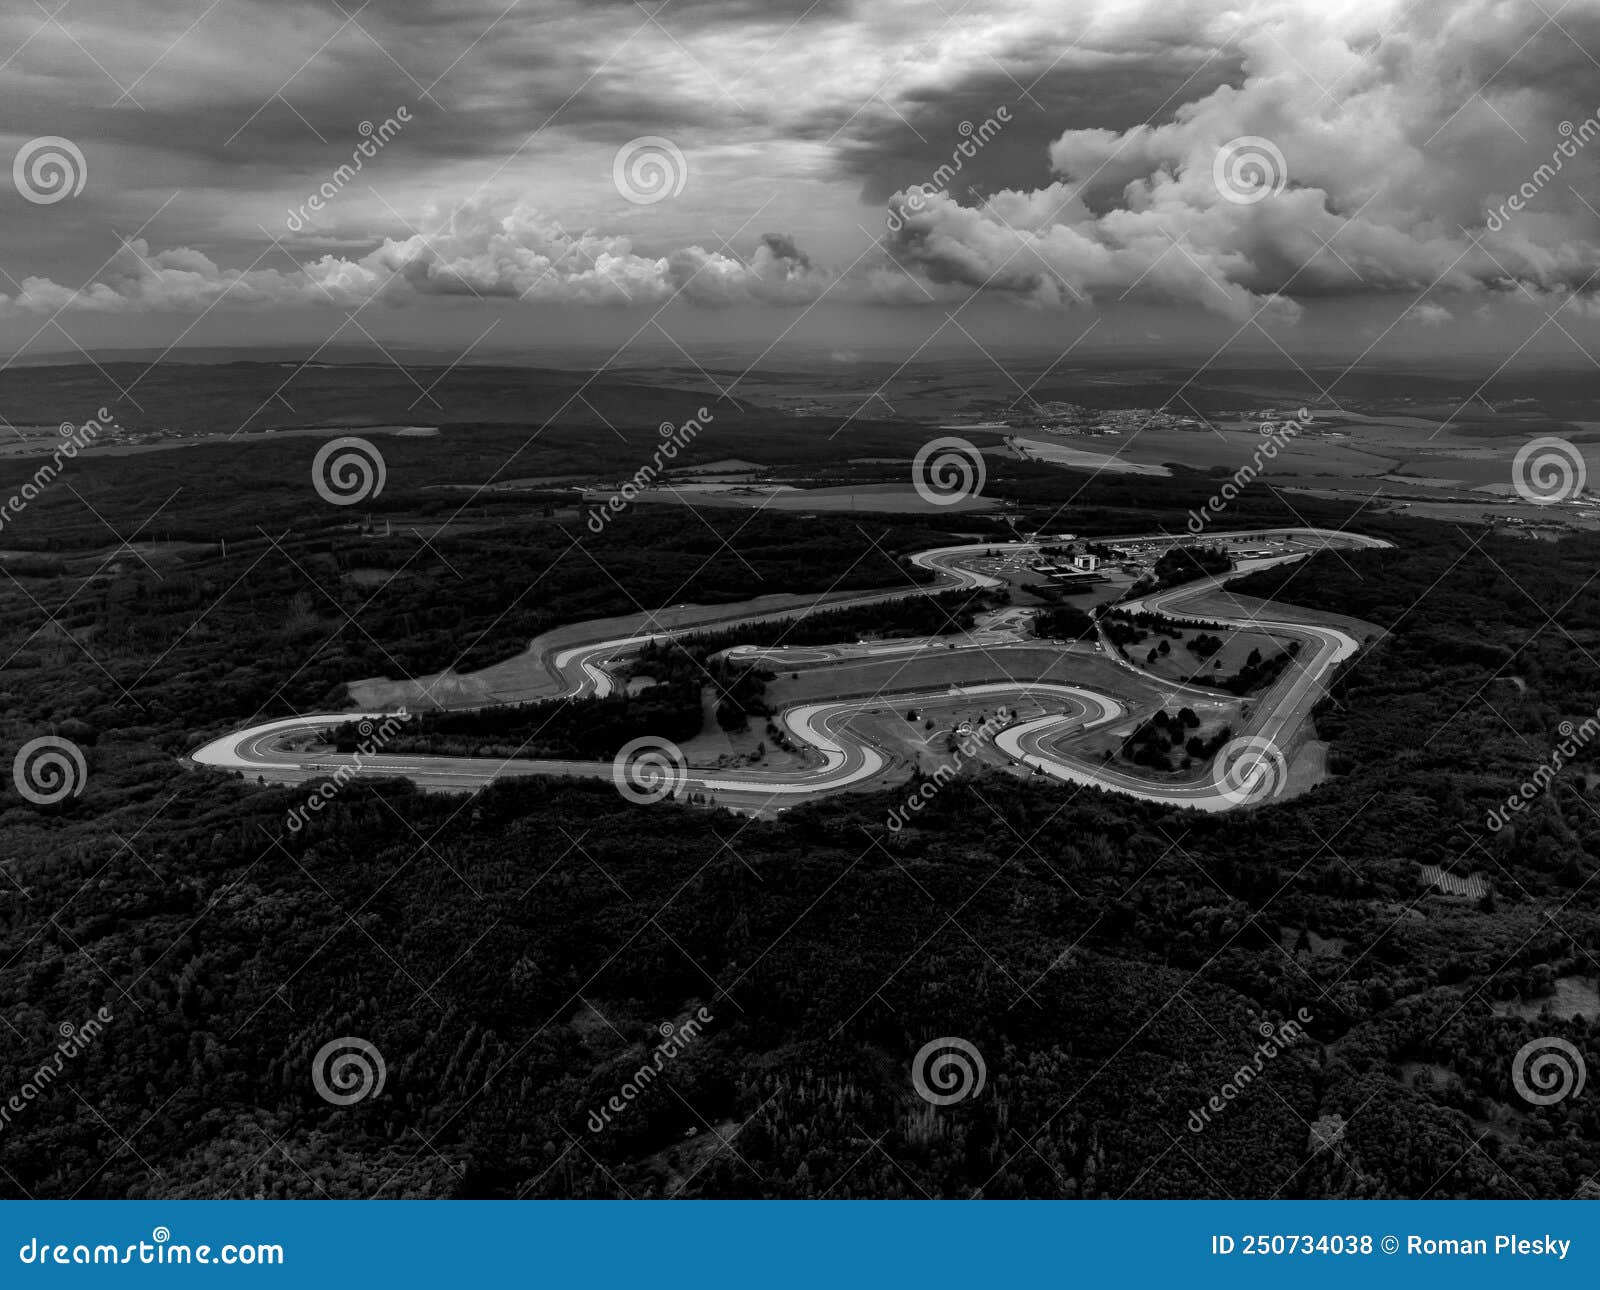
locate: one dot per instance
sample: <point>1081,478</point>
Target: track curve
<point>848,758</point>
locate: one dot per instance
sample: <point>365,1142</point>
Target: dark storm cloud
<point>1400,126</point>
<point>888,151</point>
<point>479,78</point>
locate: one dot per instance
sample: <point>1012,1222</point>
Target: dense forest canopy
<point>514,954</point>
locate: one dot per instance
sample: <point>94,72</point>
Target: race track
<point>842,756</point>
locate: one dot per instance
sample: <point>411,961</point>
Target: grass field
<point>1062,452</point>
<point>883,499</point>
<point>1020,663</point>
<point>1180,664</point>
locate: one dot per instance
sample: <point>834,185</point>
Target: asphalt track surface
<point>846,759</point>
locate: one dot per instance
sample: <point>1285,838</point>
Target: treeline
<point>1165,735</point>
<point>1063,622</point>
<point>1179,564</point>
<point>1256,673</point>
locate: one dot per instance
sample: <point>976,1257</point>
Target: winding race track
<point>842,752</point>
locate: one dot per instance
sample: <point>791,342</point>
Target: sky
<point>1367,177</point>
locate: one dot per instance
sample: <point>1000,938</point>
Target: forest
<point>512,954</point>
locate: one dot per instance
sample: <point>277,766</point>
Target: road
<point>844,759</point>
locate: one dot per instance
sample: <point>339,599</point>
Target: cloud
<point>1382,158</point>
<point>521,256</point>
<point>1428,314</point>
<point>1402,125</point>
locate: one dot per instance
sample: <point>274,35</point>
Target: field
<point>938,669</point>
<point>1181,664</point>
<point>1062,453</point>
<point>883,499</point>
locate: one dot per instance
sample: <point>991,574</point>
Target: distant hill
<point>256,396</point>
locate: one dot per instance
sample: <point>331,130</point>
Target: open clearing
<point>895,499</point>
<point>1064,454</point>
<point>1020,663</point>
<point>1181,664</point>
